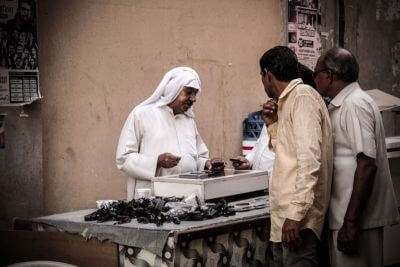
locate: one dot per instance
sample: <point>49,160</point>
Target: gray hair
<point>342,63</point>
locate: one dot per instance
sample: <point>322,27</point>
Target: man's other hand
<point>167,160</point>
<point>240,163</point>
<point>215,164</point>
<point>290,233</point>
<point>346,240</point>
<point>269,112</point>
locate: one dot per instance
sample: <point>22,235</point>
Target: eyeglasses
<point>315,73</point>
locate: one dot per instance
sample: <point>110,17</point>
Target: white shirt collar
<point>338,100</point>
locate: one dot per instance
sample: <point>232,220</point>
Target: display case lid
<point>202,177</point>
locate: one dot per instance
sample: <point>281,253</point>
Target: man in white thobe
<point>260,157</point>
<point>160,136</point>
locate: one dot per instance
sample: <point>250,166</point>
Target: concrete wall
<point>21,172</point>
<point>101,58</point>
<point>373,34</point>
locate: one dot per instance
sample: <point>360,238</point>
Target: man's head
<point>18,63</point>
<point>20,50</point>
<point>306,74</point>
<point>11,49</point>
<point>25,10</point>
<point>178,89</point>
<point>334,70</point>
<point>3,62</point>
<point>277,64</point>
<point>22,37</point>
<point>184,100</point>
<point>15,35</point>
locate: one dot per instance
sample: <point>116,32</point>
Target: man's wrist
<point>269,122</point>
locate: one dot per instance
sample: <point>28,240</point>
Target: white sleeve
<point>251,156</point>
<point>128,156</point>
<point>359,124</point>
<point>202,151</point>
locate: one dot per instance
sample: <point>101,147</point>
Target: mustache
<point>189,103</point>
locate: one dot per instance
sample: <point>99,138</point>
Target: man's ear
<point>270,76</point>
<point>330,76</point>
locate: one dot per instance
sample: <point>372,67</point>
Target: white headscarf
<point>172,84</point>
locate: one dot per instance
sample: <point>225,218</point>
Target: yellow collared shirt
<point>299,188</point>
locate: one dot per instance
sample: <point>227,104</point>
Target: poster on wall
<point>2,130</point>
<point>19,73</point>
<point>304,35</point>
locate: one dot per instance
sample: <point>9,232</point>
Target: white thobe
<point>260,157</point>
<point>152,130</point>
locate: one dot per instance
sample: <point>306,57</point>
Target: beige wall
<point>101,58</point>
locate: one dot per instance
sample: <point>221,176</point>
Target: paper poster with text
<point>19,73</point>
<point>304,35</point>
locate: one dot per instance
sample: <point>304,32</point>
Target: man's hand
<point>240,163</point>
<point>362,187</point>
<point>215,164</point>
<point>290,233</point>
<point>269,112</point>
<point>167,160</point>
<point>347,237</point>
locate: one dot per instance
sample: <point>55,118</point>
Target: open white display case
<point>234,182</point>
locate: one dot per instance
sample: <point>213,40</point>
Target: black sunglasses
<point>315,73</point>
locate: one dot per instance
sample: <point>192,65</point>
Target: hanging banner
<point>19,73</point>
<point>304,35</point>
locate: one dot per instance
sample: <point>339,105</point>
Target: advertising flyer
<point>19,74</point>
<point>304,35</point>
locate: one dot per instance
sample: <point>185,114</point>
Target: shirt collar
<point>290,87</point>
<point>338,100</point>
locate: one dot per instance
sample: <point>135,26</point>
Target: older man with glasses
<point>362,198</point>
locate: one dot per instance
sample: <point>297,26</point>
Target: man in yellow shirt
<point>301,136</point>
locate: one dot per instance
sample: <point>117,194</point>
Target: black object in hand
<point>236,161</point>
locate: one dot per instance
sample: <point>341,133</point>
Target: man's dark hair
<point>29,2</point>
<point>280,61</point>
<point>306,74</point>
<point>342,63</point>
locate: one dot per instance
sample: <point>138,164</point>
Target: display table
<point>239,240</point>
